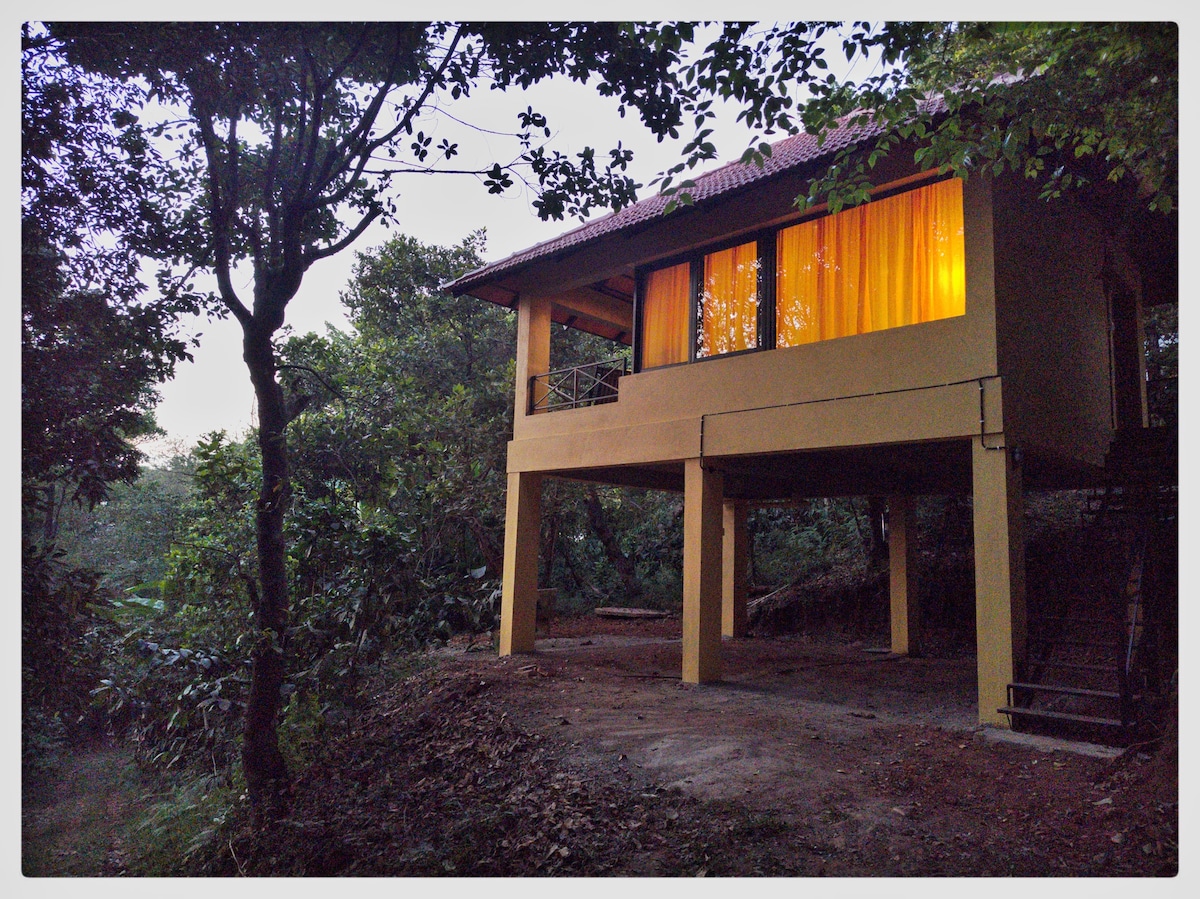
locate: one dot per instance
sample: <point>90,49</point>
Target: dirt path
<point>876,763</point>
<point>75,823</point>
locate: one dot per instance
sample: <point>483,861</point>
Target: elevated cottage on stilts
<point>948,336</point>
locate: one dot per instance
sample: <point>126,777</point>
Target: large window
<point>728,319</point>
<point>892,262</point>
<point>887,263</point>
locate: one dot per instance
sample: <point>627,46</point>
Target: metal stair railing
<point>578,386</point>
<point>1134,505</point>
<point>1135,622</point>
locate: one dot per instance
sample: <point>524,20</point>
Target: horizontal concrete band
<point>933,413</point>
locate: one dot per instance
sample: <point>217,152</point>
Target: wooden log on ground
<point>614,612</point>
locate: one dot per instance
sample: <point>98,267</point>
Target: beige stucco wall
<point>1052,324</point>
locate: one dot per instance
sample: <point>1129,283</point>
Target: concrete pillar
<point>519,582</point>
<point>533,348</point>
<point>902,562</point>
<point>734,552</point>
<point>701,573</point>
<point>1000,625</point>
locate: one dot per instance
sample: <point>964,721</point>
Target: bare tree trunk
<point>493,555</point>
<point>630,584</point>
<point>549,546</point>
<point>876,506</point>
<point>877,545</point>
<point>267,778</point>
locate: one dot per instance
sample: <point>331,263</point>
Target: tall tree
<point>94,344</point>
<point>291,136</point>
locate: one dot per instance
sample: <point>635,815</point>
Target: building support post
<point>702,514</point>
<point>519,582</point>
<point>902,565</point>
<point>1000,625</point>
<point>734,586</point>
<point>533,351</point>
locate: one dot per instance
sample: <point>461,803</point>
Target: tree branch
<point>220,210</point>
<point>337,159</point>
<point>316,374</point>
<point>365,149</point>
<point>311,256</point>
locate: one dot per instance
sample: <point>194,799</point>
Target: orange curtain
<point>892,262</point>
<point>729,303</point>
<point>666,305</point>
<point>797,261</point>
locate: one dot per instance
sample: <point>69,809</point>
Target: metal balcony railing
<point>582,385</point>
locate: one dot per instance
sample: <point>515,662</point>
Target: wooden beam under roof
<point>585,303</point>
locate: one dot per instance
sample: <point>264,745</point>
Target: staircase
<point>1092,670</point>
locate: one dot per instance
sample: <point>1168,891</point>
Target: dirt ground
<point>789,717</point>
<point>76,825</point>
<point>884,749</point>
<point>812,757</point>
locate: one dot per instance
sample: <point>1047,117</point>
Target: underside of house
<point>948,337</point>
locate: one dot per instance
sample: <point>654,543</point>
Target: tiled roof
<point>786,155</point>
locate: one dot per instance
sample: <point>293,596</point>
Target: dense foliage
<point>1070,105</point>
<point>93,348</point>
<point>290,136</point>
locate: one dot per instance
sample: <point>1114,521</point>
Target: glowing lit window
<point>891,262</point>
<point>666,306</point>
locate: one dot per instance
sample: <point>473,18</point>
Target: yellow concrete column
<point>902,562</point>
<point>734,551</point>
<point>999,575</point>
<point>701,573</point>
<point>533,348</point>
<point>519,582</point>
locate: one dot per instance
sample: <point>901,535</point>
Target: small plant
<point>300,733</point>
<point>182,824</point>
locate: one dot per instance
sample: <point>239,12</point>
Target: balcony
<point>572,388</point>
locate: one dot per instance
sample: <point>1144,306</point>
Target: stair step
<point>1013,711</point>
<point>1076,619</point>
<point>1110,668</point>
<point>1112,645</point>
<point>1067,691</point>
